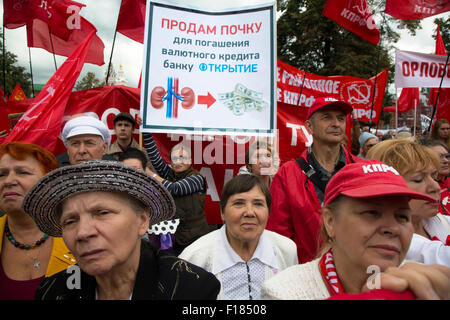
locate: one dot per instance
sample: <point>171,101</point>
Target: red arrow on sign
<point>208,100</point>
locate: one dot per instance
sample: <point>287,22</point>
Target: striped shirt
<point>183,187</point>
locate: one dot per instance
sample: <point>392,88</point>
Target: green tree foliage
<point>89,81</point>
<point>14,73</point>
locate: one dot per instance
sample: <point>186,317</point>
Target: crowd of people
<point>316,227</point>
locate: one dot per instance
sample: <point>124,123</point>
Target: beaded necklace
<point>22,246</point>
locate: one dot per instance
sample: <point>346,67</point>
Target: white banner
<point>209,71</point>
<point>414,69</point>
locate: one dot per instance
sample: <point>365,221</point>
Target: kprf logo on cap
<point>378,167</point>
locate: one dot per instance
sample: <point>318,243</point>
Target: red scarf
<point>329,274</point>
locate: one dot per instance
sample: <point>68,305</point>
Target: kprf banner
<point>299,88</point>
<point>416,9</point>
<point>354,15</point>
<point>414,69</point>
<point>209,71</point>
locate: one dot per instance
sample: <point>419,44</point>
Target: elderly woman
<point>242,254</point>
<point>188,188</point>
<point>26,254</point>
<point>366,224</point>
<point>419,166</point>
<point>258,161</point>
<point>102,209</point>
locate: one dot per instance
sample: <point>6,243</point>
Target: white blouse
<point>239,279</point>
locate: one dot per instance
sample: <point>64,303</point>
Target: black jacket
<point>160,276</point>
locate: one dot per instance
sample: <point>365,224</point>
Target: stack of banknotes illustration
<point>242,100</point>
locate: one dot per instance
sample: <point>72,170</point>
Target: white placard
<point>209,71</point>
<point>414,69</point>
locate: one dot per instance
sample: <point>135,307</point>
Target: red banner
<point>408,100</point>
<point>415,9</point>
<point>131,21</point>
<point>60,19</point>
<point>41,122</point>
<point>355,16</point>
<point>356,91</point>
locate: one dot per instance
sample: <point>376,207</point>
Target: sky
<point>128,53</point>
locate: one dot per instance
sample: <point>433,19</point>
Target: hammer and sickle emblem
<point>358,94</point>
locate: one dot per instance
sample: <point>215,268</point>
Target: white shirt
<point>213,253</point>
<point>426,251</point>
<point>242,280</point>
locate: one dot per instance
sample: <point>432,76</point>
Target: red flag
<point>59,19</point>
<point>131,21</point>
<point>415,9</point>
<point>17,94</point>
<point>354,15</point>
<point>440,50</point>
<point>41,123</point>
<point>409,98</point>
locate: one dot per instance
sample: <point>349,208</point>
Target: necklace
<point>22,246</point>
<point>36,262</point>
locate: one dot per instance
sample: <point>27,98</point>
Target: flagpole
<point>110,58</point>
<point>396,109</point>
<point>375,85</point>
<point>301,89</point>
<point>4,64</point>
<point>437,96</point>
<point>415,117</point>
<point>31,71</point>
<point>53,49</point>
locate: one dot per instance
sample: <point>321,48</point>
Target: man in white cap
<point>86,138</point>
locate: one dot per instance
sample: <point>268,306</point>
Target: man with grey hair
<point>86,138</point>
<point>298,187</point>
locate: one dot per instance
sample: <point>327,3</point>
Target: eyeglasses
<point>444,156</point>
<point>180,159</point>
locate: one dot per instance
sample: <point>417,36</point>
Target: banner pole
<point>396,110</point>
<point>437,96</point>
<point>301,88</point>
<point>4,63</point>
<point>110,57</point>
<point>31,71</point>
<point>53,49</point>
<point>415,117</point>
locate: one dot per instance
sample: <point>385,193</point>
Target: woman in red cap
<point>367,231</point>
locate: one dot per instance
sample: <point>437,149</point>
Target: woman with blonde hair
<point>419,166</point>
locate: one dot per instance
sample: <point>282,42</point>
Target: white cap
<point>85,125</point>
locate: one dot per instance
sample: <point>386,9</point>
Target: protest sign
<point>414,69</point>
<point>209,71</point>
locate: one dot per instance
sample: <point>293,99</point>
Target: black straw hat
<point>42,200</point>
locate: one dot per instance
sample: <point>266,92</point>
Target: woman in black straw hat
<point>102,209</point>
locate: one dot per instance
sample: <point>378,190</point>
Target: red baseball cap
<point>322,102</point>
<point>369,178</point>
